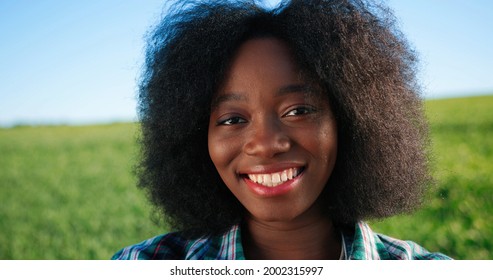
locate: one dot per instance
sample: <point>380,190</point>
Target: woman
<point>273,134</point>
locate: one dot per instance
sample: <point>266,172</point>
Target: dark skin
<point>306,239</point>
<point>273,140</point>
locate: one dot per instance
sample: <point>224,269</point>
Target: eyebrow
<point>301,88</point>
<point>216,101</point>
<point>304,89</point>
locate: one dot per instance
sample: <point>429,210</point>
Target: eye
<point>302,110</point>
<point>231,121</point>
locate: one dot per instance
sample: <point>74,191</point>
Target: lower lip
<point>278,190</point>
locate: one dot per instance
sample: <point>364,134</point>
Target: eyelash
<point>238,120</point>
<point>306,110</point>
<point>231,121</point>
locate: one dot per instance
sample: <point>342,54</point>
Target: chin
<point>273,215</point>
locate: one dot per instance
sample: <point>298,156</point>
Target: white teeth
<point>274,179</point>
<point>284,176</point>
<point>253,177</point>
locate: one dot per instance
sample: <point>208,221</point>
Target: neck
<point>312,239</point>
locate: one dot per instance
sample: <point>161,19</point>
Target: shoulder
<point>175,246</point>
<point>169,246</point>
<point>364,244</point>
<point>406,250</point>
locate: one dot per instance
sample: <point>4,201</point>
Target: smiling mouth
<point>274,179</point>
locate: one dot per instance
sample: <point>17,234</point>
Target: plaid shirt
<point>360,244</point>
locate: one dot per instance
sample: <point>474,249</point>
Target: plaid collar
<point>361,243</point>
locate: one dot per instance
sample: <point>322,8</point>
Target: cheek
<point>326,146</point>
<point>214,149</point>
<point>216,152</point>
<point>223,154</point>
<point>329,139</point>
<point>221,151</point>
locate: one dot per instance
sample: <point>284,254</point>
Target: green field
<point>456,218</point>
<point>68,192</point>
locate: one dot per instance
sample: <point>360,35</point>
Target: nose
<point>267,138</point>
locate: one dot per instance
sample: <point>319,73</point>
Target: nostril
<point>267,147</point>
<point>267,138</point>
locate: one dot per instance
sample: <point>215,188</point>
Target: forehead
<point>261,48</point>
<point>263,65</point>
<point>263,57</point>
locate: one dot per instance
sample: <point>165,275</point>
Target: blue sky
<point>77,62</point>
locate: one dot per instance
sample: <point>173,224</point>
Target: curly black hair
<point>352,49</point>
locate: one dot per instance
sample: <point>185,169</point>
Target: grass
<point>69,192</point>
<point>456,218</point>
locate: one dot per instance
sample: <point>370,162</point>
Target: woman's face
<point>272,136</point>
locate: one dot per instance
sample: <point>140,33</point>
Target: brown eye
<point>231,121</point>
<point>303,110</point>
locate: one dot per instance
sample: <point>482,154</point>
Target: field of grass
<point>69,192</point>
<point>457,217</point>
